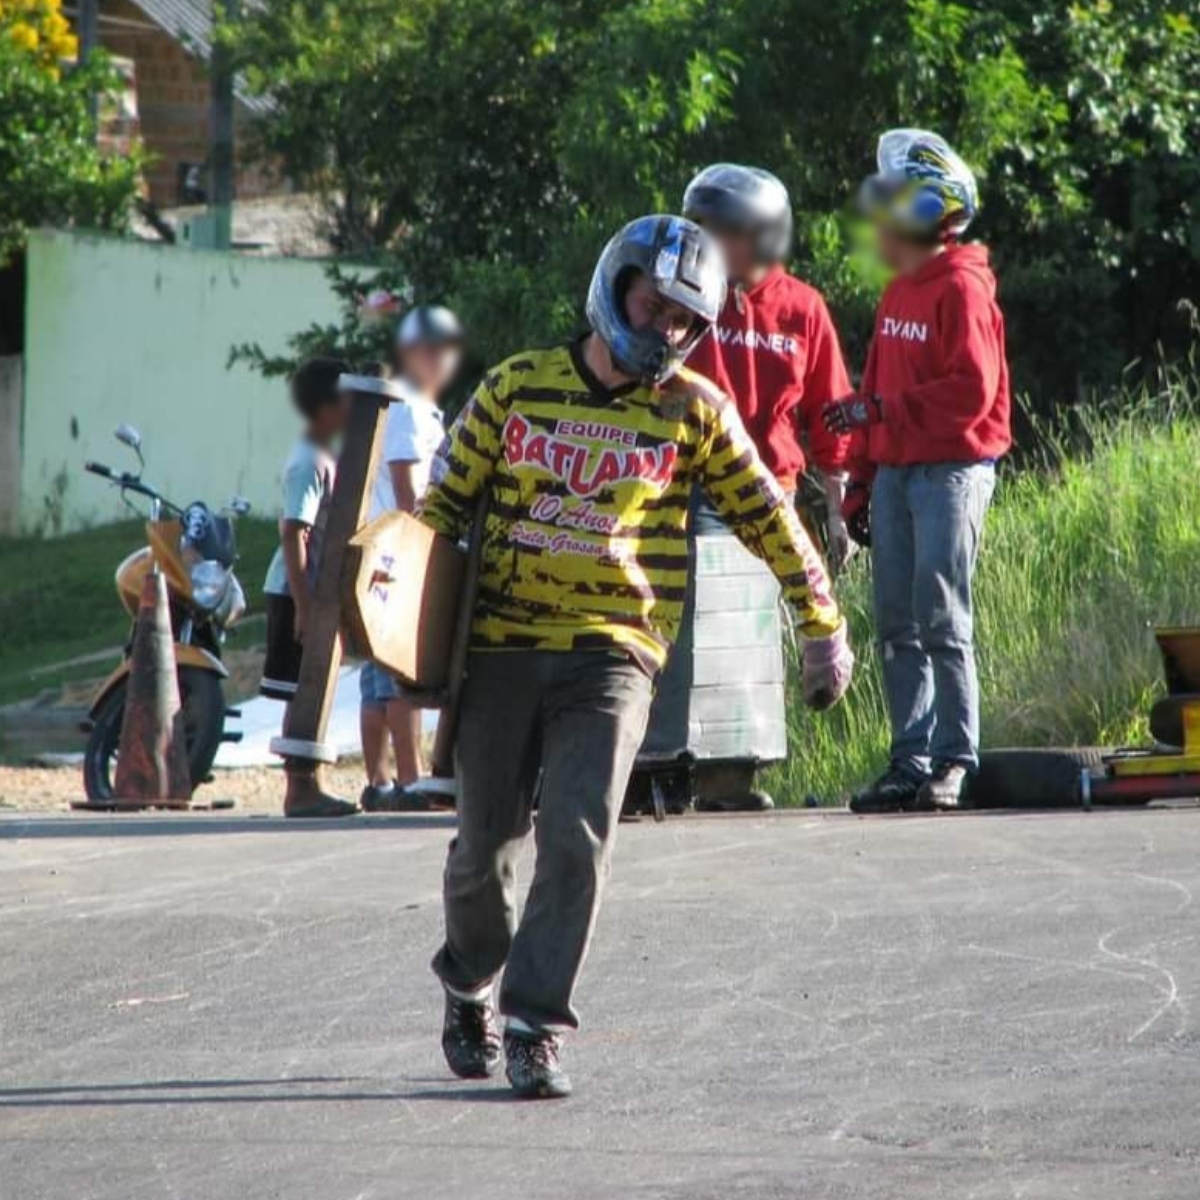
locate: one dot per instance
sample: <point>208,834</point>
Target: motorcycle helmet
<point>685,265</point>
<point>921,187</point>
<point>429,323</point>
<point>744,200</point>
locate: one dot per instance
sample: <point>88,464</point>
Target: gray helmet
<point>429,323</point>
<point>746,200</point>
<point>685,265</point>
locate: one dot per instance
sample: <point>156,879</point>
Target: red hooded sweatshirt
<point>937,363</point>
<point>775,351</point>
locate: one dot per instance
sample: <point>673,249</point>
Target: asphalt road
<point>984,1007</point>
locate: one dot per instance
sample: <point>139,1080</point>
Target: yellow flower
<point>39,27</point>
<point>24,36</point>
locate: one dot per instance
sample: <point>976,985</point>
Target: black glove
<point>844,416</point>
<point>856,511</point>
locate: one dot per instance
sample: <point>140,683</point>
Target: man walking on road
<point>589,452</point>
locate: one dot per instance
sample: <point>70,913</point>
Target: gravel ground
<point>257,790</point>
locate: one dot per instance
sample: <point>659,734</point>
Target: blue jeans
<point>376,687</point>
<point>926,523</point>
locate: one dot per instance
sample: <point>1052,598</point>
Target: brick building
<point>168,43</point>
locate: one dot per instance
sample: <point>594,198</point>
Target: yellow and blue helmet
<point>921,187</point>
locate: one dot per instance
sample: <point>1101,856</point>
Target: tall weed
<point>1088,546</point>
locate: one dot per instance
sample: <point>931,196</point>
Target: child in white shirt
<point>429,345</point>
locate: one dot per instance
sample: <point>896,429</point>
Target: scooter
<point>195,549</point>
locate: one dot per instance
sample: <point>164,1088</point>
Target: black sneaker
<point>946,789</point>
<point>375,798</point>
<point>533,1068</point>
<point>470,1038</point>
<point>894,791</point>
<point>398,799</point>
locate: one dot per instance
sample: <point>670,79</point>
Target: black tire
<point>203,704</point>
<point>1020,778</point>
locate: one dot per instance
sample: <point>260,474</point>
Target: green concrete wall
<point>125,331</point>
<point>11,393</point>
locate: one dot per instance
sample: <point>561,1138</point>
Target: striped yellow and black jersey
<point>585,544</point>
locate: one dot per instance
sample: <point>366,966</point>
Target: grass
<point>1082,556</point>
<point>58,602</point>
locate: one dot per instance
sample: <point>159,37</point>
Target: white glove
<point>828,667</point>
<point>841,545</point>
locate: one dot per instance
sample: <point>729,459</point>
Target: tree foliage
<point>52,170</point>
<point>486,151</point>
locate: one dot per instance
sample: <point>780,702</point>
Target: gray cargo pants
<point>926,522</point>
<point>568,724</point>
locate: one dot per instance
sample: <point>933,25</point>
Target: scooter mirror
<point>128,435</point>
<point>239,505</point>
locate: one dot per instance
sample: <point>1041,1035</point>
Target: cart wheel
<point>729,787</point>
<point>1167,719</point>
<point>658,800</point>
<point>1048,778</point>
<point>658,791</point>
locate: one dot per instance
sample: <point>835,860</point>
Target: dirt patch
<point>257,789</point>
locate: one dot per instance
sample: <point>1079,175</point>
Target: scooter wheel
<point>203,704</point>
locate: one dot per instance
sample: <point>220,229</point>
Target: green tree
<point>647,83</point>
<point>427,123</point>
<point>52,170</point>
<point>488,150</point>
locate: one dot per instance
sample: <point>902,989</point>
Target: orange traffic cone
<point>152,764</point>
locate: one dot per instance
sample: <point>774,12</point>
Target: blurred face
<point>431,366</point>
<point>901,254</point>
<point>647,309</point>
<point>741,258</point>
<point>329,420</point>
<point>890,246</point>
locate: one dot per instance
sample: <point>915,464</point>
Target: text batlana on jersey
<point>576,463</point>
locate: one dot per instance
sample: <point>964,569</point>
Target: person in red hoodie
<point>774,349</point>
<point>931,418</point>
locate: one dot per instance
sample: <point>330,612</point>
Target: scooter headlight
<point>210,582</point>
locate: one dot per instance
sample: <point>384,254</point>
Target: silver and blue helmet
<point>749,200</point>
<point>685,265</point>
